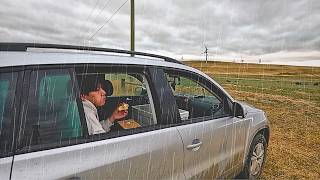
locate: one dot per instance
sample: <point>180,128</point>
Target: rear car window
<point>52,114</point>
<point>7,94</point>
<point>4,88</point>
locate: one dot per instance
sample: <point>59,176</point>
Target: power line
<point>92,12</point>
<point>105,5</point>
<point>108,20</point>
<point>93,9</point>
<point>95,6</point>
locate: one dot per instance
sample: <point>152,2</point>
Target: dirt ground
<point>290,96</point>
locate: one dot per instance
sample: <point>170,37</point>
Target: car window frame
<point>203,81</point>
<point>123,69</point>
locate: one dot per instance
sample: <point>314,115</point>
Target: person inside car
<point>93,94</point>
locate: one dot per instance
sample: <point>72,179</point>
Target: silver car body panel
<point>150,155</point>
<point>5,167</point>
<point>223,145</point>
<point>259,122</point>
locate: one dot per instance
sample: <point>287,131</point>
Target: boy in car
<point>93,95</point>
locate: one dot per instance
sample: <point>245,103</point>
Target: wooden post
<point>132,27</point>
<point>123,86</point>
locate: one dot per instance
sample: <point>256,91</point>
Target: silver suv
<point>180,124</point>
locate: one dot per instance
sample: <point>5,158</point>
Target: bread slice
<point>123,106</point>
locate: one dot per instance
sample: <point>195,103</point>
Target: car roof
<point>60,47</point>
<point>22,54</point>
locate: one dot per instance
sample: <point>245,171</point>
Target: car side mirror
<point>239,111</point>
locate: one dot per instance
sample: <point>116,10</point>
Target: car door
<point>53,143</point>
<point>213,139</point>
<point>8,110</point>
<point>150,155</point>
<point>214,148</point>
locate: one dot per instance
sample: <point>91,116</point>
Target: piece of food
<point>129,124</point>
<point>123,107</point>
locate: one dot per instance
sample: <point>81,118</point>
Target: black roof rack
<point>25,46</point>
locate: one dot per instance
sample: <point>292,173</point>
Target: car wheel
<point>255,159</point>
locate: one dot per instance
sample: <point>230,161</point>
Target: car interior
<point>52,119</point>
<point>189,105</point>
<point>139,111</point>
<point>194,105</point>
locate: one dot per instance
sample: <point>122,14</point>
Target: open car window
<point>131,88</point>
<point>133,84</point>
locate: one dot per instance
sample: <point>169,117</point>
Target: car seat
<point>59,116</point>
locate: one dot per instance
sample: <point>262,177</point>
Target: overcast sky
<point>286,30</point>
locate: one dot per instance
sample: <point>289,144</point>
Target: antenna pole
<point>132,26</point>
<point>206,51</point>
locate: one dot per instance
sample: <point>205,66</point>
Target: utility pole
<point>132,25</point>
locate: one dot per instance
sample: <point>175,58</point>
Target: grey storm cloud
<point>252,27</point>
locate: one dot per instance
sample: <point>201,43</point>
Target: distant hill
<point>248,69</point>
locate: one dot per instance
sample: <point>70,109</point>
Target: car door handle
<point>74,178</point>
<point>195,146</point>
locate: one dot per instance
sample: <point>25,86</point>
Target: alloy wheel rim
<point>257,159</point>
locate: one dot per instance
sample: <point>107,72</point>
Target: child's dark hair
<point>90,83</point>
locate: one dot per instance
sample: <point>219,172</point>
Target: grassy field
<point>290,96</point>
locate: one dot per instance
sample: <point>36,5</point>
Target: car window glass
<point>193,99</point>
<point>52,114</point>
<point>4,88</point>
<point>7,92</point>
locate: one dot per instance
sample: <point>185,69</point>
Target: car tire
<point>256,158</point>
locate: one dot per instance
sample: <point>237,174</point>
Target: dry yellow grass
<point>255,69</point>
<point>290,96</point>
